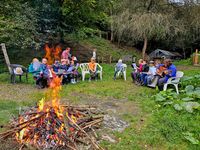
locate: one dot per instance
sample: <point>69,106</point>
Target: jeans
<point>148,79</point>
<point>142,77</point>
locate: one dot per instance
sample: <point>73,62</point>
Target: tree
<point>144,20</point>
<point>17,23</point>
<point>85,15</point>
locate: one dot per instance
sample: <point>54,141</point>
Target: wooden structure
<point>3,46</point>
<point>12,67</point>
<point>196,58</point>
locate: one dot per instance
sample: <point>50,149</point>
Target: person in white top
<point>151,73</point>
<point>94,54</point>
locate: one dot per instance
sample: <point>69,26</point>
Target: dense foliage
<point>17,22</point>
<point>28,23</point>
<point>188,101</point>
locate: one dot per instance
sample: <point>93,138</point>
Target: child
<point>45,75</point>
<point>143,74</point>
<point>92,69</point>
<point>151,73</point>
<point>56,66</point>
<point>118,68</point>
<point>136,73</point>
<point>63,70</point>
<point>71,72</point>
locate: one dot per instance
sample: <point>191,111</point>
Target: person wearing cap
<point>150,74</point>
<point>118,68</point>
<point>92,69</point>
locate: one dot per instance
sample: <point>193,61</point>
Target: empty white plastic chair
<point>174,81</point>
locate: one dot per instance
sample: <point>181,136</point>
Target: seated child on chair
<point>93,69</point>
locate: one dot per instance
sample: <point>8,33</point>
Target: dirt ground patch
<point>18,92</point>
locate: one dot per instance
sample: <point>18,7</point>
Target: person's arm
<point>30,68</point>
<point>171,72</point>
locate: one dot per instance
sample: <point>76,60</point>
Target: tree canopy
<point>129,22</point>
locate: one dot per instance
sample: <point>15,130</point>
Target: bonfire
<point>50,125</point>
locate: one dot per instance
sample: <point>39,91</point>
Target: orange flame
<point>57,52</point>
<point>52,53</point>
<point>48,54</point>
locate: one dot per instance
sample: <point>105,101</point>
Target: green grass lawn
<point>151,127</point>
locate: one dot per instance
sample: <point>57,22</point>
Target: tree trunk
<point>144,47</point>
<point>111,25</point>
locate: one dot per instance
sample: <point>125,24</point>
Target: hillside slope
<point>83,49</point>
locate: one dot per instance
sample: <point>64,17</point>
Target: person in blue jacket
<point>170,72</point>
<point>34,68</point>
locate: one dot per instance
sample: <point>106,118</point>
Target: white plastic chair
<point>85,70</point>
<point>123,71</point>
<point>174,81</point>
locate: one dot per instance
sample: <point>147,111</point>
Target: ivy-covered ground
<point>156,120</point>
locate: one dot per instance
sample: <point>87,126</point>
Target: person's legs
<point>115,74</point>
<point>161,82</point>
<point>146,79</point>
<point>142,78</point>
<point>132,75</point>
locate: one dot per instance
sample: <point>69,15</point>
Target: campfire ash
<point>53,126</point>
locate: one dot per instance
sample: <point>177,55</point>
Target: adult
<point>93,69</point>
<point>118,68</point>
<point>34,68</point>
<point>66,54</point>
<point>170,72</point>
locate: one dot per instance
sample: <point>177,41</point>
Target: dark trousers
<point>42,82</point>
<point>161,82</point>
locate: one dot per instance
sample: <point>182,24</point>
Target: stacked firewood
<point>66,127</point>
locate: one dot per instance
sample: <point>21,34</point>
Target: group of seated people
<point>153,73</point>
<point>66,68</point>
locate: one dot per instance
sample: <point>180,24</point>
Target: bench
<point>85,70</point>
<point>122,71</point>
<point>174,81</point>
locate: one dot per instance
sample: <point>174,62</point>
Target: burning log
<point>51,126</point>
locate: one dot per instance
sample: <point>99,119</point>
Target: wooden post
<point>196,57</point>
<point>3,46</point>
<point>102,59</point>
<point>110,59</point>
